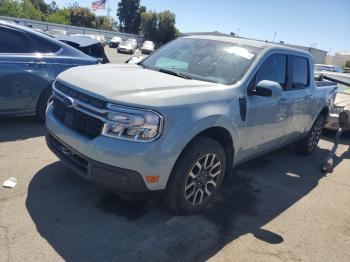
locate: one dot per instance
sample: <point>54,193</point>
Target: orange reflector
<point>152,179</point>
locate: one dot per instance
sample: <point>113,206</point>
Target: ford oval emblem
<point>69,101</point>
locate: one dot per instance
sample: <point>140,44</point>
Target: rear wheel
<point>44,100</point>
<point>309,143</point>
<point>197,176</point>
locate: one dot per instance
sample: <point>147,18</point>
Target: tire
<point>307,145</point>
<point>195,169</point>
<point>44,100</point>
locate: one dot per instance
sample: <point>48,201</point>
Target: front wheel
<point>197,176</point>
<point>309,143</point>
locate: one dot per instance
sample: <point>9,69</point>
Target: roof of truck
<point>245,41</point>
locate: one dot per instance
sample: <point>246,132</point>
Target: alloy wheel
<point>315,135</point>
<point>202,179</point>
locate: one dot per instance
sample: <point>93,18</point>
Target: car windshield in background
<point>128,42</point>
<point>202,59</point>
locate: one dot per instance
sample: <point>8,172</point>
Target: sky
<point>324,23</point>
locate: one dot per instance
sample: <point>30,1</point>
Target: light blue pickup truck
<point>181,119</point>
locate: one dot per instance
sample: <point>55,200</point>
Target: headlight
<point>132,124</point>
<point>336,110</point>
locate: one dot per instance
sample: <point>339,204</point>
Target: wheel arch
<point>220,134</point>
<point>324,112</point>
<point>224,138</point>
<point>42,94</point>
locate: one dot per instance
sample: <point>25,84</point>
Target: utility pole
<point>108,10</point>
<point>237,32</point>
<point>274,37</point>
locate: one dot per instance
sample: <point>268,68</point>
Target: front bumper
<point>123,50</point>
<point>114,178</point>
<point>144,159</point>
<point>146,51</point>
<point>113,44</point>
<point>332,122</point>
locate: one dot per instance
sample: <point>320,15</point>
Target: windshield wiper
<point>174,73</point>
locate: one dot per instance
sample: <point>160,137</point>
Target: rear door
<point>14,68</point>
<point>24,71</point>
<point>299,96</point>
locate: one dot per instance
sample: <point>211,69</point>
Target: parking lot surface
<point>278,207</point>
<point>116,57</point>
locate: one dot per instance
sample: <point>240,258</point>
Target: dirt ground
<point>278,208</point>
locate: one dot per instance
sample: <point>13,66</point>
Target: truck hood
<point>134,85</point>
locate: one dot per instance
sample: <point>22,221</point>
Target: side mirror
<point>267,88</point>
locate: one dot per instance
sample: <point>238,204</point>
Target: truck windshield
<point>207,60</point>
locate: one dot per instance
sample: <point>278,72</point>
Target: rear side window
<point>274,69</point>
<point>42,45</point>
<point>300,73</point>
<point>13,41</point>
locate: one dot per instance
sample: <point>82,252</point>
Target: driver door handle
<point>37,63</point>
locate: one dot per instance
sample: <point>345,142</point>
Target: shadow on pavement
<point>83,222</point>
<point>20,128</point>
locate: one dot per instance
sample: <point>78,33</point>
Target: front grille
<point>80,96</point>
<point>76,160</point>
<point>82,123</point>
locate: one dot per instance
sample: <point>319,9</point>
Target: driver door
<point>266,116</point>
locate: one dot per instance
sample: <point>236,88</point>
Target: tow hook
<point>344,125</point>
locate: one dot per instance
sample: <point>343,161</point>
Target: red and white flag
<point>99,4</point>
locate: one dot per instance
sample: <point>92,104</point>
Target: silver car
<point>147,47</point>
<point>126,47</point>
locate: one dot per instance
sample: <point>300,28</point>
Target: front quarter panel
<point>183,123</point>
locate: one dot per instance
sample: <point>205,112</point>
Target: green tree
<point>10,8</point>
<point>61,16</point>
<point>30,12</point>
<point>41,6</point>
<point>166,27</point>
<point>103,22</point>
<point>80,16</point>
<point>149,24</point>
<point>129,16</point>
<point>347,64</point>
<point>54,7</point>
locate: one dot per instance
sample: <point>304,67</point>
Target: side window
<point>13,41</point>
<point>300,72</point>
<point>274,68</point>
<point>42,45</point>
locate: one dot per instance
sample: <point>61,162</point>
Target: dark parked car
<point>87,45</point>
<point>29,63</point>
